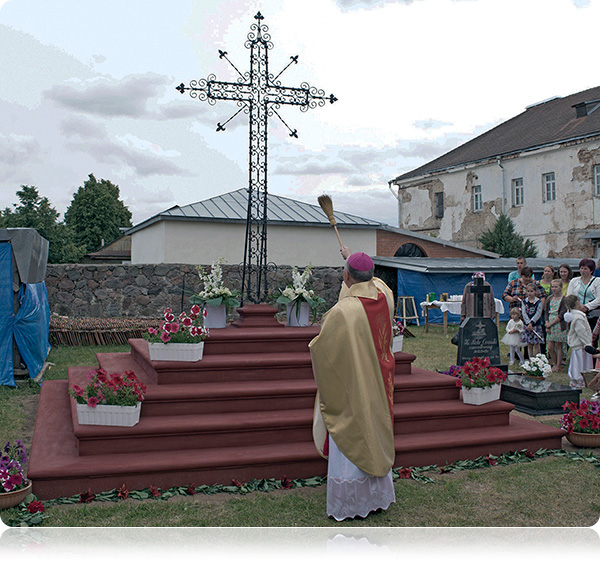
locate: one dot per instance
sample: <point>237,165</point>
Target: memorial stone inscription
<point>478,337</point>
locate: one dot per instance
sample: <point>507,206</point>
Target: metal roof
<point>232,207</point>
<point>545,124</point>
<point>470,265</point>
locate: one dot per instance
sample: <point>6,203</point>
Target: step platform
<point>245,412</point>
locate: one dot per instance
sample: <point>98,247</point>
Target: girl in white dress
<point>512,337</point>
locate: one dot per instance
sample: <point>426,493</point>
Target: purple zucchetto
<point>360,261</point>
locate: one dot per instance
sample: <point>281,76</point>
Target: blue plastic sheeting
<point>419,284</point>
<point>32,326</point>
<point>7,309</point>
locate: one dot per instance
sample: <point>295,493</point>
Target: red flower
<point>236,483</point>
<point>195,309</point>
<point>154,491</point>
<point>92,402</point>
<point>405,473</point>
<point>35,506</point>
<point>286,483</point>
<point>123,493</point>
<point>87,497</point>
<point>490,460</point>
<point>187,321</point>
<point>529,454</point>
<point>191,490</point>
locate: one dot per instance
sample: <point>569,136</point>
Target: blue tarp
<point>6,315</point>
<point>32,326</point>
<point>419,284</point>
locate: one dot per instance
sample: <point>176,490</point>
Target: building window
<point>439,204</point>
<point>597,179</point>
<point>477,199</point>
<point>518,194</point>
<point>549,186</point>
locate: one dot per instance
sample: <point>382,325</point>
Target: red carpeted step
<point>433,416</point>
<point>448,446</point>
<point>57,470</point>
<point>162,433</point>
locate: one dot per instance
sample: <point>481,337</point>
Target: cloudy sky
<point>89,87</point>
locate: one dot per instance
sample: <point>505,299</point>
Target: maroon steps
<point>244,412</point>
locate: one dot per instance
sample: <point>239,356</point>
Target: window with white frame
<point>549,186</point>
<point>597,179</point>
<point>518,193</point>
<point>477,199</point>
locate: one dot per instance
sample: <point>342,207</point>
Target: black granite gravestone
<point>478,335</point>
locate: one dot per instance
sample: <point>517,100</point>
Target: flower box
<point>215,317</point>
<point>397,343</point>
<point>480,396</point>
<point>12,498</point>
<point>295,319</point>
<point>109,415</point>
<point>176,352</point>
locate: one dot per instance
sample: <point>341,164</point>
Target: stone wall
<point>145,290</point>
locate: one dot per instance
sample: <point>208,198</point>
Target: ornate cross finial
<point>259,95</point>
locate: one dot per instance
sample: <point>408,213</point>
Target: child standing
<point>579,336</point>
<point>512,338</point>
<point>532,309</point>
<point>556,327</point>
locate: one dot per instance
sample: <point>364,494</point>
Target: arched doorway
<point>410,250</point>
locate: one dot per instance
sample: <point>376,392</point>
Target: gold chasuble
<point>353,365</point>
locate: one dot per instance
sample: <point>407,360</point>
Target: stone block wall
<point>145,290</point>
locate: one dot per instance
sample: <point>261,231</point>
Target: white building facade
<point>541,168</point>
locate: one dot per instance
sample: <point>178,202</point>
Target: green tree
<point>36,212</point>
<point>96,213</point>
<point>504,240</point>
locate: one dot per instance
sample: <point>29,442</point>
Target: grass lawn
<point>553,490</point>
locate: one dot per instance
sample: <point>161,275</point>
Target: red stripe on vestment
<point>380,324</point>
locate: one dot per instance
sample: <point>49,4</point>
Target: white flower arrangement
<point>214,292</point>
<point>297,291</point>
<point>537,366</point>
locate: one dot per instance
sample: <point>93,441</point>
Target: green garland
<point>27,515</point>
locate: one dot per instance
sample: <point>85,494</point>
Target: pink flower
<point>152,331</point>
<point>92,402</point>
<point>165,337</point>
<point>174,328</point>
<point>78,390</point>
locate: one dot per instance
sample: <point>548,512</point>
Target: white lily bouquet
<point>214,293</point>
<point>298,291</point>
<point>537,366</point>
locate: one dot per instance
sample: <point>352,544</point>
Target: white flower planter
<point>479,396</point>
<point>397,343</point>
<point>216,317</point>
<point>293,318</point>
<point>176,352</point>
<point>109,415</point>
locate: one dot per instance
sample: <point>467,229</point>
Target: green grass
<point>551,491</point>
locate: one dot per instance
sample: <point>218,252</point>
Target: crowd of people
<point>559,312</point>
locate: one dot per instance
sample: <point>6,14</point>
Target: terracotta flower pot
<point>12,498</point>
<point>583,440</point>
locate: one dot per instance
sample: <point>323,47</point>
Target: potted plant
<point>480,382</point>
<point>14,487</point>
<point>215,298</point>
<point>582,423</point>
<point>397,336</point>
<point>109,400</point>
<point>537,367</point>
<point>178,339</point>
<point>299,299</point>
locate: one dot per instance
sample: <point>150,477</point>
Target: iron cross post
<point>478,289</point>
<point>259,95</point>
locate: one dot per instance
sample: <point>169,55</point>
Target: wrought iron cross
<point>478,289</point>
<point>258,94</point>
